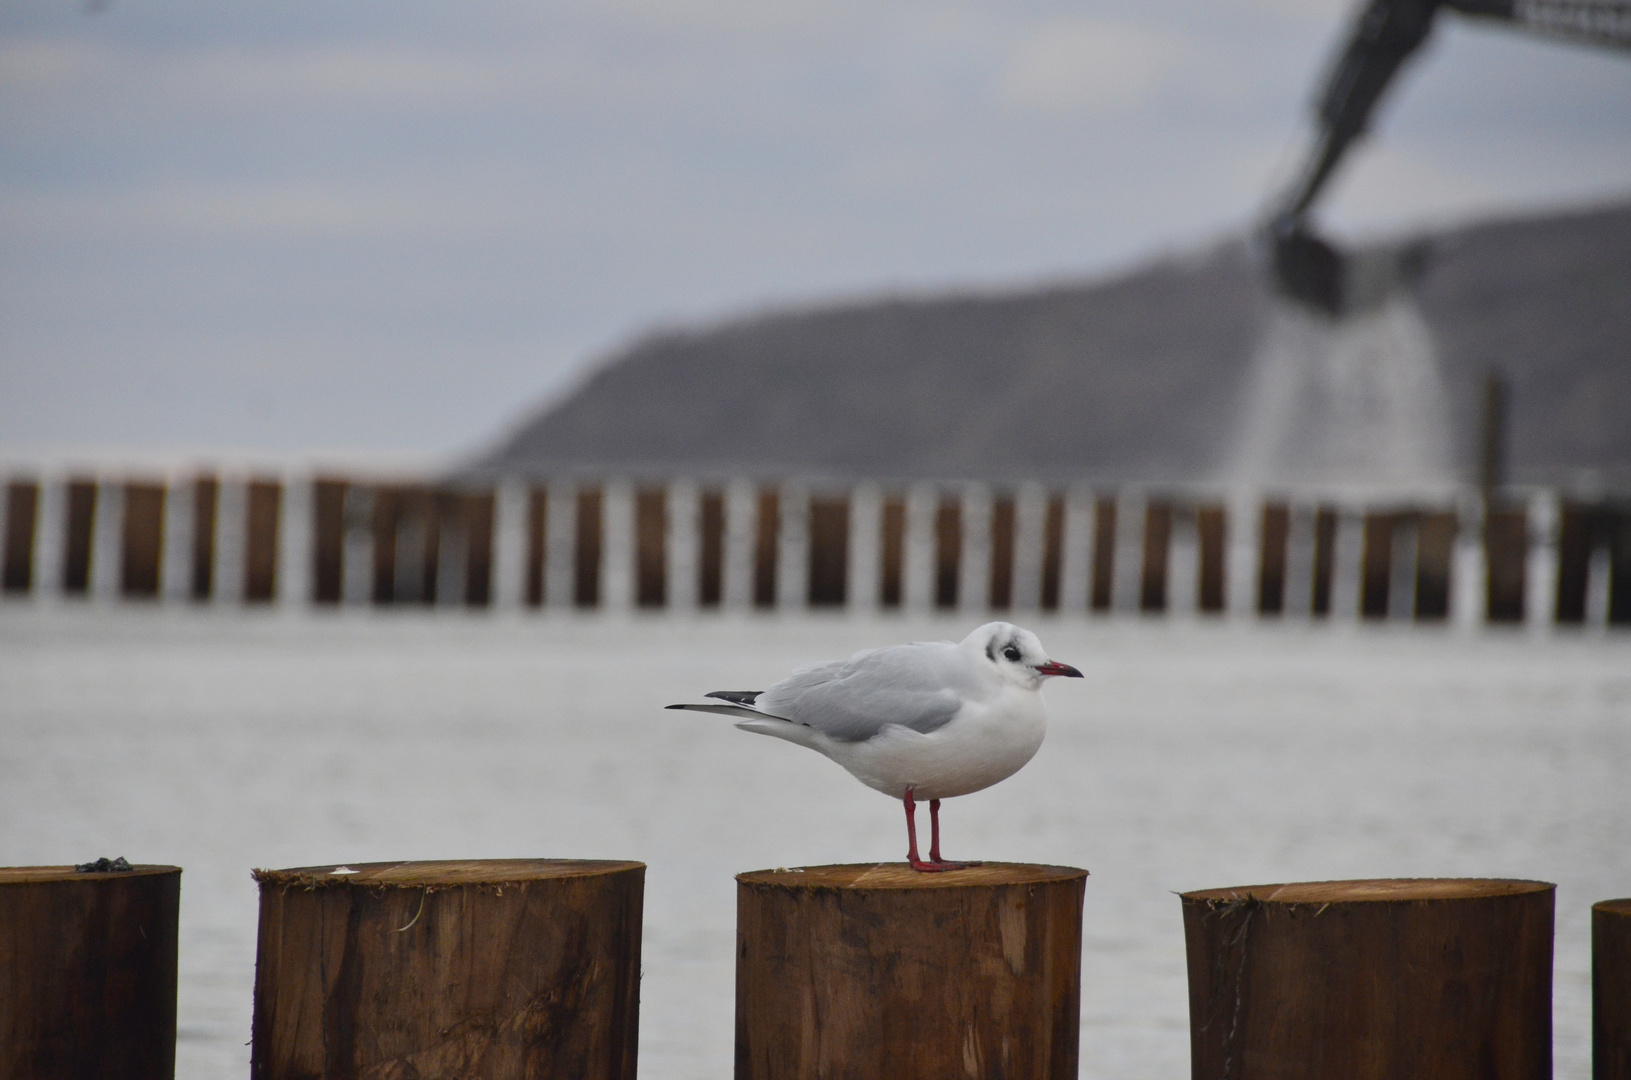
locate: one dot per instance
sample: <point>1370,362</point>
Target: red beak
<point>1054,667</point>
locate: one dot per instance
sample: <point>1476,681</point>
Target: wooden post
<point>1272,579</point>
<point>22,512</point>
<point>711,546</point>
<point>650,542</point>
<point>1355,980</point>
<point>1153,591</point>
<point>88,973</point>
<point>142,540</point>
<point>1611,990</point>
<point>829,551</point>
<point>1210,522</point>
<point>514,968</point>
<point>879,971</point>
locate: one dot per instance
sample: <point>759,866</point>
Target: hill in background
<point>1138,377</point>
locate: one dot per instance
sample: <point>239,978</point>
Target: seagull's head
<point>1016,655</point>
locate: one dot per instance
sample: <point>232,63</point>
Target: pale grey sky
<point>392,227</point>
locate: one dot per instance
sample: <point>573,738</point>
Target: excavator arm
<point>1384,36</point>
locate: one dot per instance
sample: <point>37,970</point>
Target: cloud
<point>40,68</point>
<point>531,181</point>
<point>1077,64</point>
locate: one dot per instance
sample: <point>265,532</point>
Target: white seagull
<point>927,720</point>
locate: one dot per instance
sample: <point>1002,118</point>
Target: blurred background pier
<point>1531,555</point>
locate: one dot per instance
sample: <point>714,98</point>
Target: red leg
<point>911,831</point>
<point>934,841</point>
<point>934,831</point>
<point>912,858</point>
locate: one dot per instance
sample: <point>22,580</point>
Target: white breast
<point>988,741</point>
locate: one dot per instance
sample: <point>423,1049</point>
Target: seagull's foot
<point>939,866</point>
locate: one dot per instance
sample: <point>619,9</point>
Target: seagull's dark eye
<point>1011,653</point>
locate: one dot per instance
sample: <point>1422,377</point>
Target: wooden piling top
<point>440,873</point>
<point>1377,890</point>
<point>33,875</point>
<point>1619,908</point>
<point>902,876</point>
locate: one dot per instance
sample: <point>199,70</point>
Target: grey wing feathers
<point>853,700</point>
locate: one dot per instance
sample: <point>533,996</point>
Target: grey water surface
<point>1192,755</point>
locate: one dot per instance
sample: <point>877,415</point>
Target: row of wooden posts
<point>522,544</point>
<point>530,969</point>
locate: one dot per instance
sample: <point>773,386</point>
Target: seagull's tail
<point>740,704</point>
<point>722,709</point>
<point>731,703</point>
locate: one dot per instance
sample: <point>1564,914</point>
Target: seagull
<point>926,720</point>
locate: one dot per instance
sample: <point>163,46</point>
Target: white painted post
<point>1347,565</point>
<point>231,540</point>
<point>1401,588</point>
<point>683,544</point>
<point>512,500</point>
<point>922,502</point>
<point>741,525</point>
<point>1540,572</point>
<point>50,540</point>
<point>974,571</point>
<point>1184,564</point>
<point>560,543</point>
<point>1076,560</point>
<point>1030,525</point>
<point>296,543</point>
<point>1469,578</point>
<point>1128,567</point>
<point>1242,545</point>
<point>107,540</point>
<point>176,561</point>
<point>617,566</point>
<point>793,547</point>
<point>1299,584</point>
<point>865,547</point>
<point>357,546</point>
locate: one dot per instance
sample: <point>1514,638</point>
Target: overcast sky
<point>380,228</point>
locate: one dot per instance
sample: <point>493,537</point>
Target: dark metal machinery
<point>1307,267</point>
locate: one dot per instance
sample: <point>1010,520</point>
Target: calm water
<point>1191,756</point>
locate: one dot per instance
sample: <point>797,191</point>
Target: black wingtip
<point>736,697</point>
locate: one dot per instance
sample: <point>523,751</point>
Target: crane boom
<point>1385,35</point>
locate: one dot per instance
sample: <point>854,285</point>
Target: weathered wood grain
<point>88,973</point>
<point>880,971</point>
<point>522,969</point>
<point>1611,990</point>
<point>1371,980</point>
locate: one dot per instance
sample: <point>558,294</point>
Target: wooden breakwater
<point>1534,556</point>
<point>531,968</point>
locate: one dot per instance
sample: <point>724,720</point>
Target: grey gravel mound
<point>1136,377</point>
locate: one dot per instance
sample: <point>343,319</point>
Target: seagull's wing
<point>917,686</point>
